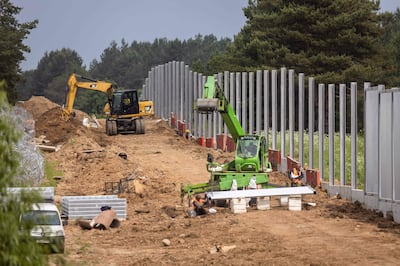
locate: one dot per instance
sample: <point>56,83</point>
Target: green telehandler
<point>251,150</point>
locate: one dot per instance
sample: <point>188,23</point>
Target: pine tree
<point>330,38</point>
<point>11,46</point>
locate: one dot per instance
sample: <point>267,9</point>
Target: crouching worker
<point>296,176</point>
<point>199,205</point>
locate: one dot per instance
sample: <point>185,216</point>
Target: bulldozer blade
<point>207,105</point>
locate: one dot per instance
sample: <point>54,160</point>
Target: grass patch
<point>51,170</point>
<point>360,154</point>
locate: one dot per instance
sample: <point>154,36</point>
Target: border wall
<point>303,122</point>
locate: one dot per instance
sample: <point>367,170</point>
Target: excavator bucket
<point>207,105</point>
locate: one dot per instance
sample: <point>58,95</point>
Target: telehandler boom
<point>250,155</point>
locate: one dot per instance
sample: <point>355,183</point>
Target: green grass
<point>360,155</point>
<point>51,170</point>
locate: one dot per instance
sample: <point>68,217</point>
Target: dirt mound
<point>37,105</point>
<point>48,121</point>
<point>56,130</point>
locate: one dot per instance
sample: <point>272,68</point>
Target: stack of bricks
<point>295,203</point>
<point>238,205</point>
<point>263,203</point>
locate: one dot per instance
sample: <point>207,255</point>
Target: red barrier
<point>210,142</point>
<point>221,142</point>
<point>181,127</point>
<point>201,141</point>
<point>292,163</point>
<point>274,157</point>
<point>230,144</point>
<point>313,178</point>
<point>173,120</point>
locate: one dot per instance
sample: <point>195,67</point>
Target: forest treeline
<point>125,65</point>
<point>335,41</point>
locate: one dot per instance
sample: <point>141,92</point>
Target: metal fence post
<point>291,113</point>
<point>251,103</point>
<point>321,129</point>
<point>266,106</point>
<point>301,118</point>
<point>244,101</point>
<point>283,117</point>
<point>311,107</point>
<point>258,101</point>
<point>331,149</point>
<point>342,113</point>
<point>274,93</point>
<point>354,132</point>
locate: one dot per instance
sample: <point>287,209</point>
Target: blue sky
<point>89,26</point>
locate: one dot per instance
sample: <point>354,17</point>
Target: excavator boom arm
<point>74,84</point>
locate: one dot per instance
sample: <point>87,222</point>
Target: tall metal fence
<point>301,120</point>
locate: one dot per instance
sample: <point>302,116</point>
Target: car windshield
<point>42,217</point>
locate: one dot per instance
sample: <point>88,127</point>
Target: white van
<point>48,228</point>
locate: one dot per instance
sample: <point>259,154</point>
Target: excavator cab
<point>125,103</point>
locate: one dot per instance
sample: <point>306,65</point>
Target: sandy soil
<point>334,232</point>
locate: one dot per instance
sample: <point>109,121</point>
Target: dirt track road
<point>332,233</point>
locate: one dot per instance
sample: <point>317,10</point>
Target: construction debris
<point>122,186</point>
<point>49,148</point>
<point>104,220</point>
<point>91,122</point>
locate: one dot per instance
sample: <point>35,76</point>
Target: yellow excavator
<point>124,112</point>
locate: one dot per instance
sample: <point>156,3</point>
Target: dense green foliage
<point>125,65</point>
<point>390,46</point>
<point>337,41</point>
<point>334,41</point>
<point>11,45</point>
<point>49,79</point>
<point>16,246</point>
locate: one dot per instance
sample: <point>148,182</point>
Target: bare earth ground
<point>334,232</point>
